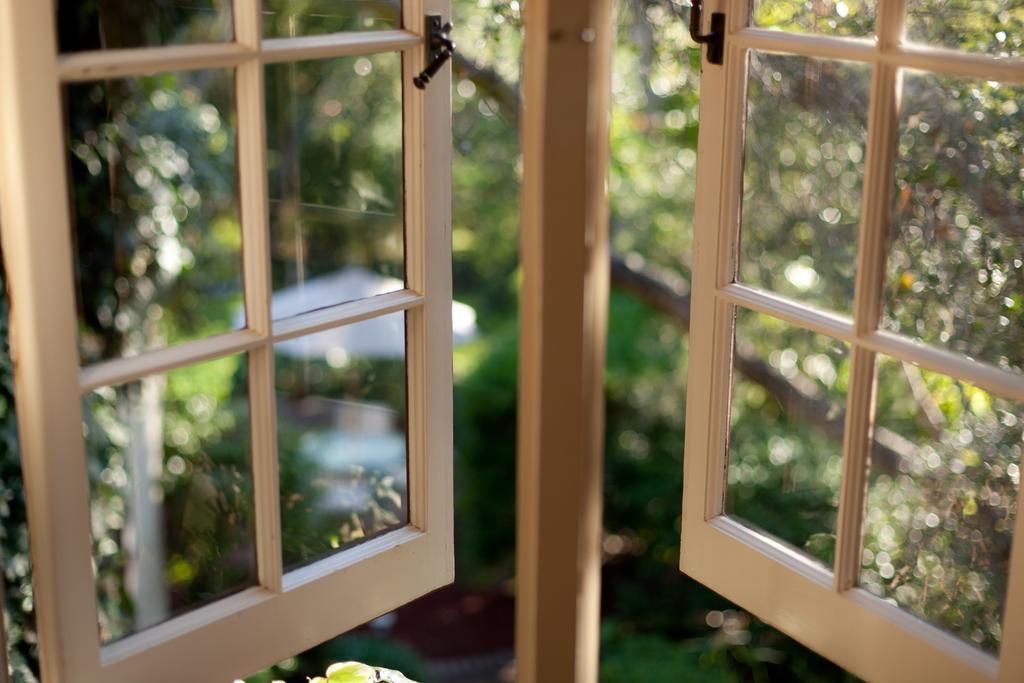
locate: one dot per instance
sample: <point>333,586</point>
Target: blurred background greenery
<point>158,262</point>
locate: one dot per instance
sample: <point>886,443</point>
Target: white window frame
<point>823,609</point>
<point>286,612</point>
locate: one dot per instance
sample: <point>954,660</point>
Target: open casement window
<point>855,341</point>
<point>227,236</point>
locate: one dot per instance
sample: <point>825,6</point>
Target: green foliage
<point>376,650</point>
<point>954,498</point>
<point>287,18</point>
<point>653,134</point>
<point>833,17</point>
<point>19,618</point>
<point>354,672</point>
<point>204,480</point>
<point>349,649</point>
<point>311,529</point>
<point>485,427</point>
<point>639,657</point>
<point>344,115</point>
<point>987,26</point>
<point>959,202</point>
<point>92,24</point>
<point>803,169</point>
<point>784,472</point>
<point>152,161</point>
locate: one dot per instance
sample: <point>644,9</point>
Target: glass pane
<point>336,199</point>
<point>171,493</point>
<point>833,17</point>
<point>155,210</point>
<point>113,24</point>
<point>955,274</point>
<point>290,18</point>
<point>341,420</point>
<point>785,450</point>
<point>941,508</point>
<point>804,163</point>
<point>993,27</point>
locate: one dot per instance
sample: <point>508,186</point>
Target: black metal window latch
<point>714,40</point>
<point>440,48</point>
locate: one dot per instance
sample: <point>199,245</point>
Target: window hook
<point>440,48</point>
<point>714,40</point>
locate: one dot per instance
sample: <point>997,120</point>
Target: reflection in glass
<point>941,510</point>
<point>334,130</point>
<point>993,27</point>
<point>171,493</point>
<point>806,130</point>
<point>341,419</point>
<point>955,273</point>
<point>785,455</point>
<point>833,17</point>
<point>291,18</point>
<point>114,24</point>
<point>155,212</point>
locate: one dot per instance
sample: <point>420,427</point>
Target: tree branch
<point>929,416</point>
<point>490,83</point>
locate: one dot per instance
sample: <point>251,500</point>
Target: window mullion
<point>427,149</point>
<point>252,181</point>
<point>805,44</point>
<point>127,369</point>
<point>724,270</point>
<point>119,63</point>
<point>414,132</point>
<point>733,141</point>
<point>769,303</point>
<point>102,64</point>
<point>426,117</point>
<point>1003,382</point>
<point>346,313</point>
<point>856,453</point>
<point>414,114</point>
<point>947,61</point>
<point>703,462</point>
<point>883,120</point>
<point>338,44</point>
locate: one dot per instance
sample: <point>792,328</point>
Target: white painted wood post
<point>562,341</point>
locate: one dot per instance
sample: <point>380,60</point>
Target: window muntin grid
<point>371,578</point>
<point>824,609</point>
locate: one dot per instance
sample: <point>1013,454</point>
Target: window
<point>201,326</point>
<point>848,177</point>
